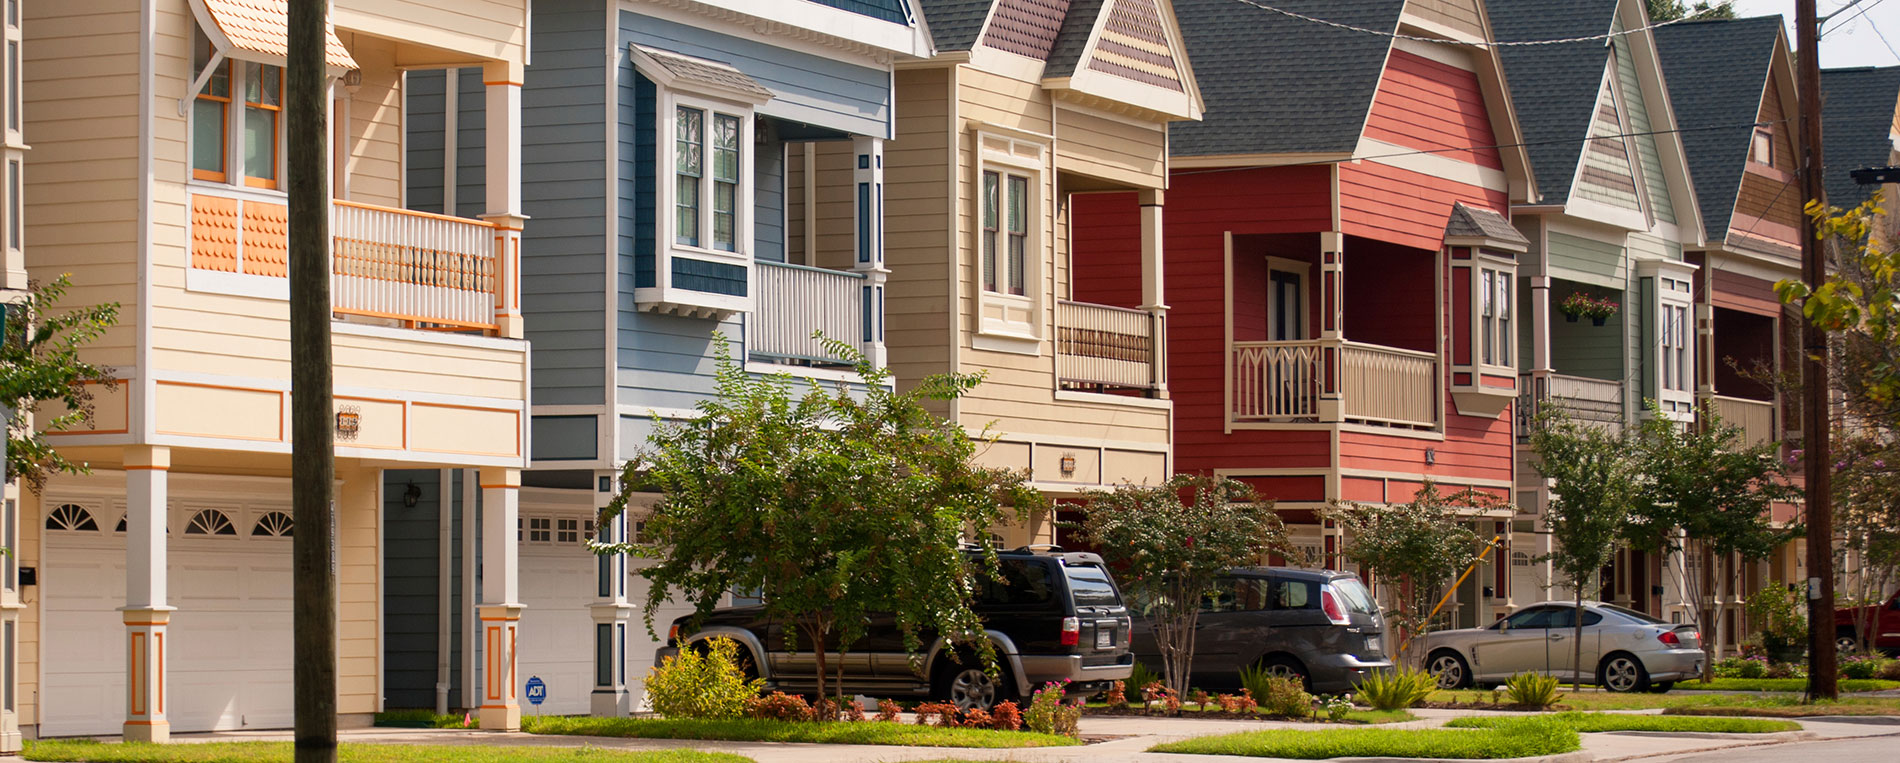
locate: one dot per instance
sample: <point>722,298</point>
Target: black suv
<point>1057,615</point>
<point>1320,626</point>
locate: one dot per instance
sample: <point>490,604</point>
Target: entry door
<point>1286,306</point>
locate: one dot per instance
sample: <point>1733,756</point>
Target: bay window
<point>1496,336</point>
<point>1010,179</point>
<point>708,156</point>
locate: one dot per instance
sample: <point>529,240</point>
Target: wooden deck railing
<point>1103,346</point>
<point>427,270</point>
<point>1288,382</point>
<point>794,301</point>
<point>1756,418</point>
<point>1595,401</point>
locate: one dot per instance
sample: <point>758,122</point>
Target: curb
<point>1579,756</point>
<point>1870,720</point>
<point>1774,737</point>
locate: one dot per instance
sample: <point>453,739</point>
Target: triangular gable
<point>1134,55</point>
<point>1469,22</point>
<point>1607,174</point>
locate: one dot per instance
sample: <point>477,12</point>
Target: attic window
<point>1763,149</point>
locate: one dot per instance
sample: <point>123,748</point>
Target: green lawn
<point>752,730</point>
<point>280,752</point>
<point>1592,722</point>
<point>1515,737</point>
<point>1784,684</point>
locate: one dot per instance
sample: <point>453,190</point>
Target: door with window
<point>1293,375</point>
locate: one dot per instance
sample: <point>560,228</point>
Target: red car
<point>1883,622</point>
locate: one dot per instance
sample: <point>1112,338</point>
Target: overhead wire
<point>1699,15</point>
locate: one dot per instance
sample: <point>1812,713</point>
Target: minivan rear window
<point>1090,586</point>
<point>1358,599</point>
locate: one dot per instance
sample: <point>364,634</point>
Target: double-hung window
<point>1675,347</point>
<point>1011,252</point>
<point>1496,336</point>
<point>706,177</point>
<point>1005,232</point>
<point>243,94</point>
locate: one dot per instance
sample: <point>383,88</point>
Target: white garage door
<point>229,662</point>
<point>558,584</point>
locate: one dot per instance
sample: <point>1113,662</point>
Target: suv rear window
<point>1024,584</point>
<point>1090,586</point>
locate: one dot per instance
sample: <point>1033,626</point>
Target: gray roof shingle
<point>1074,37</point>
<point>1467,222</point>
<point>703,72</point>
<point>1716,72</point>
<point>1274,84</point>
<point>1856,111</point>
<point>1554,87</point>
<point>954,24</point>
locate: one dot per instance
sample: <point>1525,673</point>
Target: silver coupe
<point>1623,650</point>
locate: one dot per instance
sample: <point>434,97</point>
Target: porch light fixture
<point>1431,456</point>
<point>411,495</point>
<point>349,421</point>
<point>1068,464</point>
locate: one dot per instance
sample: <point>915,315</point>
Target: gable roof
<point>1278,85</point>
<point>1073,39</point>
<point>1717,71</point>
<point>1553,86</point>
<point>1857,108</point>
<point>955,23</point>
<point>1470,223</point>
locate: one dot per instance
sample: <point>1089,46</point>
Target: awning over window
<point>680,71</point>
<point>262,27</point>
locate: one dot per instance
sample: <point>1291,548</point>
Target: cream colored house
<point>1021,109</point>
<point>163,579</point>
<point>13,283</point>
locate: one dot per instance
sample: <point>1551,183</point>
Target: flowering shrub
<point>1741,667</point>
<point>779,706</point>
<point>700,683</point>
<point>1583,305</point>
<point>1861,666</point>
<point>1117,694</point>
<point>1049,715</point>
<point>1006,717</point>
<point>1337,706</point>
<point>887,710</point>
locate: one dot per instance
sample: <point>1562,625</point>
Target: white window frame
<point>668,102</point>
<point>1761,147</point>
<point>1673,358</point>
<point>1013,321</point>
<point>1499,325</point>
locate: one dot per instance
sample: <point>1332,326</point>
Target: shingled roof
<point>954,24</point>
<point>1466,222</point>
<point>1275,84</point>
<point>1716,72</point>
<point>1554,87</point>
<point>1857,108</point>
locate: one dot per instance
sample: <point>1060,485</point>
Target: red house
<point>1339,261</point>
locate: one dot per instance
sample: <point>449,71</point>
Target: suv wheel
<point>967,686</point>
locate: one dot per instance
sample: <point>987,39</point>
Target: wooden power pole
<point>312,449</point>
<point>1822,665</point>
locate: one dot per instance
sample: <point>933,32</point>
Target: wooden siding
<point>1770,195</point>
<point>1739,292</point>
<point>1430,106</point>
<point>1639,126</point>
<point>1111,148</point>
<point>917,232</point>
<point>1588,260</point>
<point>475,29</point>
<point>1608,175</point>
<point>373,144</point>
<point>1401,206</point>
<point>1461,15</point>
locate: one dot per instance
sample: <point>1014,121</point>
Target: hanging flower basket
<point>1581,305</point>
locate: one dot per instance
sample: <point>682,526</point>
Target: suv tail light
<point>1071,631</point>
<point>1329,603</point>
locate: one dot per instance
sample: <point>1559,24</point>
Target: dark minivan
<point>1055,616</point>
<point>1321,626</point>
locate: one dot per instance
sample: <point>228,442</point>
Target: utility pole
<point>1822,665</point>
<point>312,449</point>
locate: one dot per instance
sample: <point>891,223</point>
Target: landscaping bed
<point>817,732</point>
<point>282,752</point>
<point>1509,738</point>
<point>1365,717</point>
<point>1597,722</point>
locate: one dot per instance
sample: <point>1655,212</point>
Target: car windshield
<point>1632,614</point>
<point>1358,599</point>
<point>1090,586</point>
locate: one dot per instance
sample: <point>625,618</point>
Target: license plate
<point>1104,638</point>
<point>1372,644</point>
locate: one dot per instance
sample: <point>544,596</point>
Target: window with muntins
<point>708,153</point>
<point>252,95</point>
<point>1496,329</point>
<point>1675,348</point>
<point>1005,232</point>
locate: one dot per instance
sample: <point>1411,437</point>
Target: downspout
<point>445,528</point>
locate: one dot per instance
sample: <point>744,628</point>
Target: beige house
<point>163,579</point>
<point>13,282</point>
<point>1021,109</point>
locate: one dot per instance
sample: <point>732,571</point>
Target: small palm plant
<point>1532,690</point>
<point>1396,689</point>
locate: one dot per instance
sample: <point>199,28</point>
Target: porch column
<point>145,613</point>
<point>867,178</point>
<point>10,605</point>
<point>1153,291</point>
<point>502,79</point>
<point>501,599</point>
<point>1332,274</point>
<point>612,612</point>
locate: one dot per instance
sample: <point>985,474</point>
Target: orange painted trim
<point>512,679</point>
<point>148,624</point>
<point>500,82</point>
<point>500,619</point>
<point>281,395</point>
<point>494,666</point>
<point>411,317</point>
<point>125,400</point>
<point>159,674</point>
<point>135,705</point>
<point>251,182</point>
<point>148,723</point>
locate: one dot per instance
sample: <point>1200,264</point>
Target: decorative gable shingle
<point>1026,27</point>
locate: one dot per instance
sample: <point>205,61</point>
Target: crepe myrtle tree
<point>1420,547</point>
<point>1170,543</point>
<point>40,363</point>
<point>1593,474</point>
<point>831,503</point>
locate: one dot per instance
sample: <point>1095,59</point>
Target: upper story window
<point>1496,329</point>
<point>1011,251</point>
<point>249,94</point>
<point>10,78</point>
<point>1674,329</point>
<point>1005,232</point>
<point>1762,150</point>
<point>707,156</point>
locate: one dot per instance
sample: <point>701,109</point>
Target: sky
<point>1854,38</point>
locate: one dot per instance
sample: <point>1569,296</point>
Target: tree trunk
<point>313,460</point>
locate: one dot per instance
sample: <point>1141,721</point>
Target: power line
<point>1725,4</point>
<point>1883,38</point>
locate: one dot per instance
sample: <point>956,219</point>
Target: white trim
<point>1009,156</point>
<point>998,341</point>
<point>1436,165</point>
<point>283,385</point>
<point>1079,442</point>
<point>1305,272</point>
<point>1630,220</point>
<point>1162,404</point>
<point>647,412</point>
<point>805,372</point>
<point>1004,63</point>
<point>430,337</point>
<point>237,284</point>
<point>822,19</point>
<point>1456,58</point>
<point>1236,161</point>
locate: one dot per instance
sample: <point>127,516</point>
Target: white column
<point>1153,294</point>
<point>145,613</point>
<point>10,605</point>
<point>612,612</point>
<point>867,188</point>
<point>501,598</point>
<point>502,80</point>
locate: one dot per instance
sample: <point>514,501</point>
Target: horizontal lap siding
<point>917,236</point>
<point>477,28</point>
<point>1111,149</point>
<point>1430,106</point>
<point>1402,206</point>
<point>1639,121</point>
<point>1766,198</point>
<point>564,247</point>
<point>1462,15</point>
<point>374,150</point>
<point>1739,292</point>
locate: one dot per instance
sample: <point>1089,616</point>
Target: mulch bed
<point>1131,711</point>
<point>1493,706</point>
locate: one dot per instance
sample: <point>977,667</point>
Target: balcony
<point>1102,348</point>
<point>1596,401</point>
<point>1756,418</point>
<point>1326,381</point>
<point>795,302</point>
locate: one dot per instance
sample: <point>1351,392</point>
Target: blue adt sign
<point>537,691</point>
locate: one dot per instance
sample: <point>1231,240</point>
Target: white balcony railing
<point>427,270</point>
<point>1291,382</point>
<point>1756,418</point>
<point>1593,401</point>
<point>1103,346</point>
<point>795,301</point>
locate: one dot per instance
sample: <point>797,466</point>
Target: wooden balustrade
<point>1387,385</point>
<point>423,269</point>
<point>1285,382</point>
<point>1277,381</point>
<point>1756,418</point>
<point>1103,346</point>
<point>1593,401</point>
<point>794,301</point>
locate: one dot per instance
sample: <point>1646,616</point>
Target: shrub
<point>1862,666</point>
<point>704,683</point>
<point>887,710</point>
<point>854,710</point>
<point>1337,706</point>
<point>1533,690</point>
<point>1784,670</point>
<point>1286,697</point>
<point>944,713</point>
<point>1891,670</point>
<point>1741,667</point>
<point>1199,698</point>
<point>779,706</point>
<point>1254,679</point>
<point>1141,676</point>
<point>1006,716</point>
<point>1396,689</point>
<point>1156,693</point>
<point>1048,715</point>
<point>1117,694</point>
<point>1784,618</point>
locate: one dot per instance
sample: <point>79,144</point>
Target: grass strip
<point>1593,722</point>
<point>754,730</point>
<point>1819,709</point>
<point>1597,700</point>
<point>1784,684</point>
<point>93,751</point>
<point>1514,737</point>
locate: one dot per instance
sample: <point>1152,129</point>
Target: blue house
<point>691,171</point>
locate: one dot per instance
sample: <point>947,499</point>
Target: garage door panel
<point>557,627</point>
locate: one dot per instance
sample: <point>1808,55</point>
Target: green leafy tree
<point>1671,10</point>
<point>1169,543</point>
<point>40,363</point>
<point>832,504</point>
<point>1419,548</point>
<point>1705,491</point>
<point>1593,474</point>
